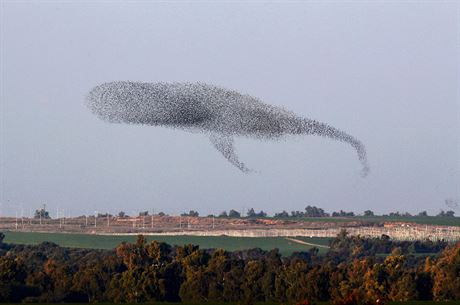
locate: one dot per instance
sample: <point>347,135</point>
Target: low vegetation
<point>351,272</point>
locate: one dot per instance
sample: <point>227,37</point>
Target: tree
<point>400,284</point>
<point>56,279</point>
<point>215,271</point>
<point>148,275</point>
<point>283,214</point>
<point>446,214</point>
<point>194,288</point>
<point>342,244</point>
<point>251,213</point>
<point>297,214</point>
<point>424,285</point>
<point>354,283</point>
<point>233,214</point>
<point>144,213</point>
<point>273,265</point>
<point>42,213</point>
<point>312,211</point>
<point>294,280</point>
<point>368,213</point>
<point>223,214</point>
<point>12,276</point>
<point>261,214</point>
<point>252,286</point>
<point>192,213</point>
<point>446,283</point>
<point>93,277</point>
<point>195,285</point>
<point>423,214</point>
<point>343,214</point>
<point>233,279</point>
<point>121,214</point>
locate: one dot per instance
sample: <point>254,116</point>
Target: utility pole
<point>16,214</point>
<point>213,221</point>
<point>86,220</point>
<point>95,220</point>
<point>22,216</point>
<point>180,221</point>
<point>43,211</point>
<point>152,221</point>
<point>108,220</point>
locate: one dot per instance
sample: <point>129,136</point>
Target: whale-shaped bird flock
<point>217,112</point>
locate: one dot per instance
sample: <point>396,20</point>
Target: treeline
<point>310,211</point>
<point>354,271</point>
<point>313,211</point>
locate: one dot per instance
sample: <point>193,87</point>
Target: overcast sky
<point>387,73</point>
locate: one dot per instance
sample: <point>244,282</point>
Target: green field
<point>285,246</point>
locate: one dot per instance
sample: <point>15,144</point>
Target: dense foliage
<point>354,271</point>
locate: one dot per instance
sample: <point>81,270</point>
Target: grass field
<point>285,246</point>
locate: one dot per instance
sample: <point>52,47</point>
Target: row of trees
<point>310,211</point>
<point>350,273</point>
<point>313,211</point>
<point>42,214</point>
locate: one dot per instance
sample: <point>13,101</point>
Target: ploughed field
<point>285,246</point>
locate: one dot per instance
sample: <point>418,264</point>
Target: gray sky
<point>388,73</point>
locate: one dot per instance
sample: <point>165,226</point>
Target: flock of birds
<point>217,112</point>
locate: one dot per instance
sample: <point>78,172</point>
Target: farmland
<point>285,246</point>
<point>204,230</point>
<point>424,220</point>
